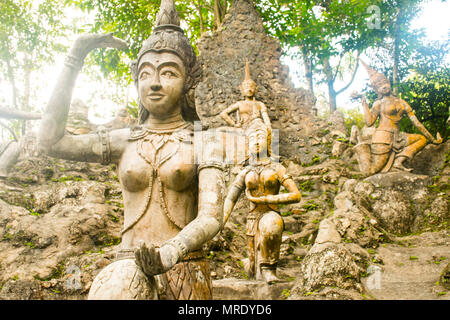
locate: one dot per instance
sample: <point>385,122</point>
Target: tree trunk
<point>26,92</point>
<point>200,16</point>
<point>396,52</point>
<point>330,83</point>
<point>12,81</point>
<point>307,62</point>
<point>219,13</point>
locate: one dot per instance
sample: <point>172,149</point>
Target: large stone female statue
<point>172,205</point>
<point>262,179</point>
<point>386,147</point>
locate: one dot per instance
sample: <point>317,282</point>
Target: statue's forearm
<point>55,116</point>
<point>284,198</point>
<point>210,216</point>
<point>369,118</point>
<point>421,128</point>
<point>54,119</point>
<point>9,113</point>
<point>227,118</point>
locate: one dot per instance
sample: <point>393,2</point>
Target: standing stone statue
<point>386,148</point>
<point>248,109</point>
<point>262,179</point>
<point>172,203</point>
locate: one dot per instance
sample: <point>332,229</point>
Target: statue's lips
<point>155,96</point>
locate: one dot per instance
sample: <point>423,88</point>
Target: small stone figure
<point>262,179</point>
<point>172,204</point>
<point>248,109</point>
<point>386,148</point>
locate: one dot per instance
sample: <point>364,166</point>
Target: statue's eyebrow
<point>144,64</point>
<point>171,64</point>
<point>162,65</point>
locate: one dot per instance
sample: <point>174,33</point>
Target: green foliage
<point>428,95</point>
<point>353,117</point>
<point>28,33</point>
<point>311,205</point>
<point>133,21</point>
<point>329,35</point>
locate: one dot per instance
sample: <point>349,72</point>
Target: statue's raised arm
<point>99,147</point>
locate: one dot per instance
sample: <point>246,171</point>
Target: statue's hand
<point>355,95</point>
<point>257,200</point>
<point>88,42</point>
<point>438,139</point>
<point>149,260</point>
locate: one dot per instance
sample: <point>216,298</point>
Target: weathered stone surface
<point>399,199</point>
<point>330,265</point>
<point>60,225</point>
<point>327,233</point>
<point>410,273</point>
<point>235,289</point>
<point>431,160</point>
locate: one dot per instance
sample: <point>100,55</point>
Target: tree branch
<point>338,66</point>
<point>8,113</point>
<point>353,76</point>
<point>10,130</point>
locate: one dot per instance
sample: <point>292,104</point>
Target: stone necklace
<point>158,139</point>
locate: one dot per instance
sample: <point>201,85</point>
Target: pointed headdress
<point>247,76</point>
<point>376,78</point>
<point>168,36</point>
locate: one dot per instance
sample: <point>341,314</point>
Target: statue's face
<point>257,142</point>
<point>161,77</point>
<point>383,88</point>
<point>248,88</point>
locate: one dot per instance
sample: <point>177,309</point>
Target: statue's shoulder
<point>185,135</point>
<point>136,133</point>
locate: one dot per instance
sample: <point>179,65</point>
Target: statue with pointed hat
<point>248,109</point>
<point>172,201</point>
<point>386,148</point>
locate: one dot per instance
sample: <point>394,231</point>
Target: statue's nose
<point>156,83</point>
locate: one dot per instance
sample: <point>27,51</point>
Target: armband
<point>73,62</point>
<point>211,164</point>
<point>179,246</point>
<point>285,177</point>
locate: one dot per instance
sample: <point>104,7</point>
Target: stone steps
<point>241,289</point>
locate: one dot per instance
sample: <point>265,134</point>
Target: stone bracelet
<point>73,62</point>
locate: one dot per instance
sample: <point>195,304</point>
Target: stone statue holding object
<point>172,204</point>
<point>385,148</point>
<point>261,179</point>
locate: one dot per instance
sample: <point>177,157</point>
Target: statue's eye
<point>144,75</point>
<point>168,74</point>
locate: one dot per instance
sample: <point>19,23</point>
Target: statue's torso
<point>248,110</point>
<point>263,181</point>
<point>165,189</point>
<point>391,112</point>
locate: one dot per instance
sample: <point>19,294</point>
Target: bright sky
<point>434,19</point>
